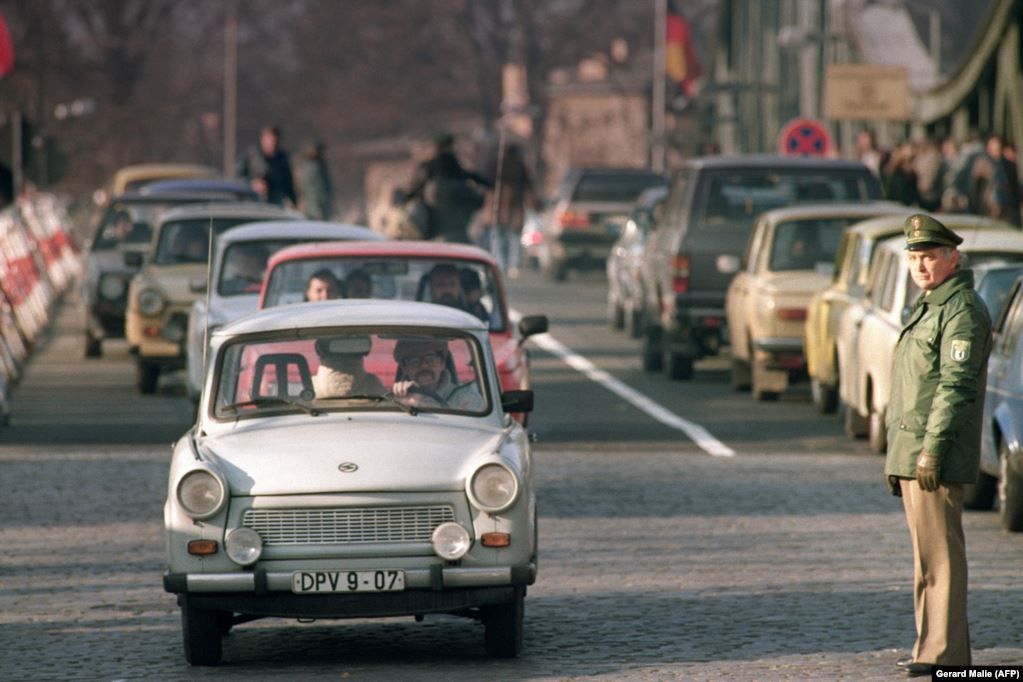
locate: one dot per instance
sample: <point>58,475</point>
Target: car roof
<point>895,224</point>
<point>990,238</point>
<point>353,313</point>
<point>614,170</point>
<point>772,161</point>
<point>383,249</point>
<point>298,229</point>
<point>200,185</point>
<point>836,210</point>
<point>229,209</point>
<point>142,171</point>
<point>136,197</point>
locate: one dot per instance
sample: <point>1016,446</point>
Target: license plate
<point>303,582</point>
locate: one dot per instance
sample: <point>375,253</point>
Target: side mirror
<point>532,325</point>
<point>517,401</point>
<point>197,285</point>
<point>134,259</point>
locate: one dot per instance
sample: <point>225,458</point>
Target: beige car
<point>173,275</point>
<point>869,331</point>
<point>790,256</point>
<point>848,285</point>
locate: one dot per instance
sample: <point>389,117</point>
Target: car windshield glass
<point>186,241</point>
<point>994,286</point>
<point>731,200</point>
<point>620,188</point>
<point>244,264</point>
<point>321,370</point>
<point>126,223</point>
<point>807,244</point>
<point>466,285</point>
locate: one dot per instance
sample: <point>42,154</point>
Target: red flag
<point>680,56</point>
<point>6,49</point>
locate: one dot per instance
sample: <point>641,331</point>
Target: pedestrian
<point>928,165</point>
<point>317,191</point>
<point>900,183</point>
<point>268,170</point>
<point>514,195</point>
<point>933,424</point>
<point>451,193</point>
<point>867,151</point>
<point>991,191</point>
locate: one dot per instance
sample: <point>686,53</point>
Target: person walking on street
<point>449,191</point>
<point>513,194</point>
<point>933,426</point>
<point>992,193</point>
<point>268,170</point>
<point>317,191</point>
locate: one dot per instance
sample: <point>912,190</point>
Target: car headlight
<point>493,487</point>
<point>243,546</point>
<point>201,494</point>
<point>111,287</point>
<point>451,541</point>
<point>150,302</point>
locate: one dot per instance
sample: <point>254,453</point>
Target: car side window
<point>755,246</point>
<point>879,280</point>
<point>890,285</point>
<point>1009,325</point>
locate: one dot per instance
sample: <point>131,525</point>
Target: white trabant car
<point>869,330</point>
<point>239,262</point>
<point>352,458</point>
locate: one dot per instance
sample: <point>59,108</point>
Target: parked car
<point>239,263</point>
<point>176,264</point>
<point>624,295</point>
<point>848,285</point>
<point>423,505</point>
<point>789,257</point>
<point>401,270</point>
<point>135,176</point>
<point>692,254</point>
<point>867,339</point>
<point>218,188</point>
<point>1001,443</point>
<point>586,216</point>
<point>126,225</point>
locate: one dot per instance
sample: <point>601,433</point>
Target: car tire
<point>853,424</point>
<point>503,627</point>
<point>678,367</point>
<point>981,495</point>
<point>634,321</point>
<point>203,631</point>
<point>93,346</point>
<point>1010,493</point>
<point>615,315</point>
<point>759,394</point>
<point>741,377</point>
<point>653,359</point>
<point>825,397</point>
<point>148,376</point>
<point>877,435</point>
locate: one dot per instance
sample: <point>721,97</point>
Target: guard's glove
<point>928,471</point>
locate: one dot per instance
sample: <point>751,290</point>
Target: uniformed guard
<point>933,422</point>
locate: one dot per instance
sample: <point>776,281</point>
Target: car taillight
<point>792,314</point>
<point>573,219</point>
<point>680,274</point>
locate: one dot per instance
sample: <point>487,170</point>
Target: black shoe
<point>914,669</point>
<point>903,662</point>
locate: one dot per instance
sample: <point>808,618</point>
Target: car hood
<point>174,280</point>
<point>794,284</point>
<point>305,457</point>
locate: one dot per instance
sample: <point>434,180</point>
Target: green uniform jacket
<point>938,381</point>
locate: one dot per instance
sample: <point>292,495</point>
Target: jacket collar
<point>957,281</point>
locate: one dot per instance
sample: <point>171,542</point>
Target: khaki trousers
<point>939,560</point>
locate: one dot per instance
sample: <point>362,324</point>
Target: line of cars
<point>797,266</point>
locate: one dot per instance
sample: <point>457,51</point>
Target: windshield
<point>187,241</point>
<point>324,370</point>
<point>731,200</point>
<point>623,188</point>
<point>994,286</point>
<point>244,264</point>
<point>807,244</point>
<point>467,285</point>
<point>126,223</point>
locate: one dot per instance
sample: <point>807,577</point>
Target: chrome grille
<point>347,526</point>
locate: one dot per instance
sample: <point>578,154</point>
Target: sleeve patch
<point>960,350</point>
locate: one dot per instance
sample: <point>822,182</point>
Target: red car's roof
<point>399,249</point>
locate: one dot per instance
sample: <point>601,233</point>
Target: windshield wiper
<point>388,397</point>
<point>263,402</point>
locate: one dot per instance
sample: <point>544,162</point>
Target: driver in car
<point>424,378</point>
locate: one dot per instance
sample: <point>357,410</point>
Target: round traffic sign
<point>804,137</point>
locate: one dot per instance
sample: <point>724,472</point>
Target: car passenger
<point>341,372</point>
<point>322,286</point>
<point>445,287</point>
<point>472,290</point>
<point>425,377</point>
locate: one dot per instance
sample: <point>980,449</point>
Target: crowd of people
<point>979,176</point>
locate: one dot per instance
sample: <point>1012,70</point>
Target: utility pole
<point>230,86</point>
<point>658,104</point>
<point>822,64</point>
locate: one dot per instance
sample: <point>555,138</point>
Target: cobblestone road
<point>657,561</point>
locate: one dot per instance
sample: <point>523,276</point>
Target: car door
<point>1004,383</point>
<point>740,294</point>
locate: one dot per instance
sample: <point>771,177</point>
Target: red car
<point>461,276</point>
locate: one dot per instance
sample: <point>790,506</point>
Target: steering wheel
<point>429,393</point>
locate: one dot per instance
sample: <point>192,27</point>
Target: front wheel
<point>877,436</point>
<point>148,375</point>
<point>825,397</point>
<point>503,629</point>
<point>93,346</point>
<point>203,631</point>
<point>1010,493</point>
<point>854,425</point>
